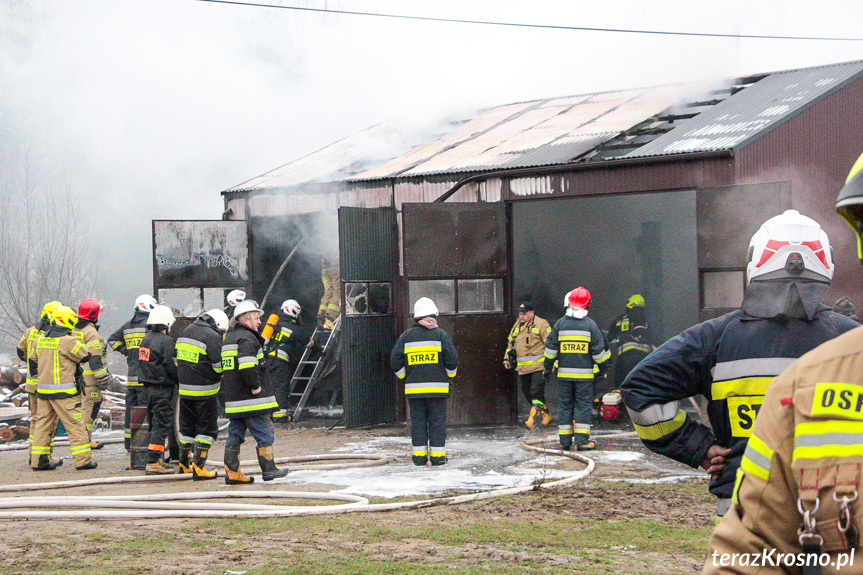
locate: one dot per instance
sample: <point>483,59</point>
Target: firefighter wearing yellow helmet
<point>796,492</point>
<point>55,359</point>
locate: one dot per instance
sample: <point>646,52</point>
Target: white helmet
<point>291,308</point>
<point>161,315</point>
<point>424,307</point>
<point>218,316</point>
<point>145,303</point>
<point>246,306</point>
<point>790,245</point>
<point>235,297</point>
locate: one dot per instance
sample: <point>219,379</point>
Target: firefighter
<point>127,340</point>
<point>632,346</point>
<point>232,299</point>
<point>329,309</point>
<point>732,359</point>
<point>425,358</point>
<point>25,345</point>
<point>249,398</point>
<point>287,345</point>
<point>633,316</point>
<point>199,367</point>
<point>157,373</point>
<point>96,376</point>
<point>797,486</point>
<point>577,345</point>
<point>55,359</point>
<point>525,349</point>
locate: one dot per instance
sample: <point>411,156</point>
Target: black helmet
<point>849,204</point>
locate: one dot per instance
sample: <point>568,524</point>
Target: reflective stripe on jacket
<point>127,340</point>
<point>528,340</point>
<point>199,360</point>
<point>97,370</point>
<point>425,359</point>
<point>576,344</point>
<point>244,370</point>
<point>56,357</point>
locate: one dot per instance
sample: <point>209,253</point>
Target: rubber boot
<point>439,460</point>
<point>545,415</point>
<point>91,465</point>
<point>156,468</point>
<point>531,420</point>
<point>268,464</point>
<point>420,460</point>
<point>233,475</point>
<point>185,461</point>
<point>45,464</point>
<point>199,469</point>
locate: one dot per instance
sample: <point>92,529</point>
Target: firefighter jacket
<point>157,364</point>
<point>627,321</point>
<point>806,449</point>
<point>731,360</point>
<point>199,360</point>
<point>26,345</point>
<point>330,300</point>
<point>425,359</point>
<point>127,340</point>
<point>96,373</point>
<point>287,344</point>
<point>528,341</point>
<point>244,370</point>
<point>55,359</point>
<point>576,344</point>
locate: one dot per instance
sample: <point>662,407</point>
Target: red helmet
<point>89,309</point>
<point>579,297</point>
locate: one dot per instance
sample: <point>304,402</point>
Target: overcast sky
<point>150,108</point>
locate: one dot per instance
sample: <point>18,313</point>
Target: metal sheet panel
<point>368,246</point>
<point>200,253</point>
<point>455,240</point>
<point>369,386</point>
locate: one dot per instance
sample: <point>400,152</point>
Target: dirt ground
<point>595,526</point>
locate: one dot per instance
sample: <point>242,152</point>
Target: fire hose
<point>168,505</point>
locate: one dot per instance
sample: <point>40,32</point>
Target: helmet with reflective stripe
<point>424,307</point>
<point>579,297</point>
<point>849,204</point>
<point>161,315</point>
<point>246,306</point>
<point>787,246</point>
<point>635,300</point>
<point>65,316</point>
<point>291,308</point>
<point>145,302</point>
<point>49,308</point>
<point>235,297</point>
<point>219,317</point>
<point>89,309</point>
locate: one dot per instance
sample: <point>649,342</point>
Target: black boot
<point>45,464</point>
<point>420,460</point>
<point>233,475</point>
<point>268,464</point>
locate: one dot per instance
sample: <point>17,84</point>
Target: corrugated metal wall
<point>367,241</point>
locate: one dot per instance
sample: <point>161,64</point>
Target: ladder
<point>311,366</point>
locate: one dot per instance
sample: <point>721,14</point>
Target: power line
<point>539,26</point>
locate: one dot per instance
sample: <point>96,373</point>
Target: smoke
<point>151,107</point>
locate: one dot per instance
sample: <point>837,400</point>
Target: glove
<point>507,364</point>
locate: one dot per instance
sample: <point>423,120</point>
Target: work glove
<point>507,364</point>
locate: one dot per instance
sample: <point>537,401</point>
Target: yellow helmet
<point>635,300</point>
<point>49,308</point>
<point>849,204</point>
<point>65,316</point>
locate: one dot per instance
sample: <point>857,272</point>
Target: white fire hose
<point>165,505</point>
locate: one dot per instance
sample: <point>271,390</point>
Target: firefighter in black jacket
<point>732,359</point>
<point>199,367</point>
<point>286,348</point>
<point>126,340</point>
<point>157,372</point>
<point>249,398</point>
<point>425,358</point>
<point>576,344</point>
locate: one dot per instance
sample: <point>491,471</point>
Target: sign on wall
<point>200,253</point>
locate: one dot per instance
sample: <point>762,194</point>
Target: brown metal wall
<point>815,150</point>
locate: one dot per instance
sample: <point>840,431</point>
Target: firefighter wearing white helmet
<point>199,369</point>
<point>127,340</point>
<point>425,358</point>
<point>797,490</point>
<point>249,398</point>
<point>233,298</point>
<point>157,372</point>
<point>576,343</point>
<point>732,359</point>
<point>286,347</point>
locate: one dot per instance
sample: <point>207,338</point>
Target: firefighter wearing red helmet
<point>96,376</point>
<point>576,343</point>
<point>796,493</point>
<point>732,359</point>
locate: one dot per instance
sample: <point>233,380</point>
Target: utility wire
<point>539,26</point>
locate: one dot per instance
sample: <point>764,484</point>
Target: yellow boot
<point>545,415</point>
<point>232,469</point>
<point>531,420</point>
<point>199,469</point>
